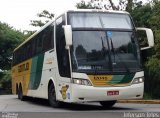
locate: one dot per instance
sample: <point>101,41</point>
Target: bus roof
<point>75,10</point>
<point>97,10</point>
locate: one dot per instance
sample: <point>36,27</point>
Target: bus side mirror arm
<point>150,37</point>
<point>68,35</point>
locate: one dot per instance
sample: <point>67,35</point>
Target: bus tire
<point>108,104</point>
<point>20,94</point>
<point>52,97</point>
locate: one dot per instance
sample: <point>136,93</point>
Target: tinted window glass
<point>48,37</point>
<point>40,43</point>
<point>101,20</point>
<point>105,51</point>
<point>62,53</point>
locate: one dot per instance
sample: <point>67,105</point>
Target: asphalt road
<point>10,105</point>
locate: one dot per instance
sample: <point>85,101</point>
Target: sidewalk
<point>140,101</point>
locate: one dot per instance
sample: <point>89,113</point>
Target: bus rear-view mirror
<point>145,38</point>
<point>68,35</point>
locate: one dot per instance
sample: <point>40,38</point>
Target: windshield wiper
<point>114,53</point>
<point>104,51</point>
<point>114,58</point>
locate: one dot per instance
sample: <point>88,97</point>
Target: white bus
<point>82,55</point>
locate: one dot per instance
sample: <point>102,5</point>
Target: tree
<point>127,5</point>
<point>153,63</point>
<point>148,16</point>
<point>44,14</point>
<point>84,5</point>
<point>94,4</point>
<point>9,39</point>
<point>5,82</point>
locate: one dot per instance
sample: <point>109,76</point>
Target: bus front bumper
<point>81,93</point>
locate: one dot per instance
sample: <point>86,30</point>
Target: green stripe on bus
<point>121,79</point>
<point>36,71</point>
<point>127,79</point>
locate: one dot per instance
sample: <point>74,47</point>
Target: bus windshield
<point>104,49</point>
<point>100,20</point>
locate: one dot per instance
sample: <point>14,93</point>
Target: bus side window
<point>39,43</point>
<point>33,44</point>
<point>48,37</point>
<point>23,52</point>
<point>62,53</point>
<point>28,50</point>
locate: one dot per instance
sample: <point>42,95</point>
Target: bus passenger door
<point>63,76</point>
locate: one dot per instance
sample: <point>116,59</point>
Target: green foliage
<point>37,23</point>
<point>154,20</point>
<point>127,5</point>
<point>146,96</point>
<point>1,75</point>
<point>88,5</point>
<point>141,15</point>
<point>9,39</point>
<point>44,14</point>
<point>153,66</point>
<point>148,15</point>
<point>152,75</point>
<point>157,44</point>
<point>5,82</point>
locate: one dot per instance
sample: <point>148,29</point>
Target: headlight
<point>138,80</point>
<point>82,81</point>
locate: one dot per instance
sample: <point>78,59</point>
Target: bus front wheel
<point>108,104</point>
<point>52,97</point>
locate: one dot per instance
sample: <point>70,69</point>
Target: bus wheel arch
<point>52,95</point>
<point>50,83</point>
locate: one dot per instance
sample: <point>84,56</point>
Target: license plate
<point>110,93</point>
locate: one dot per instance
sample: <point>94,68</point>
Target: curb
<point>140,101</point>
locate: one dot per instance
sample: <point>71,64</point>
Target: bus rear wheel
<point>108,104</point>
<point>20,94</point>
<point>52,97</point>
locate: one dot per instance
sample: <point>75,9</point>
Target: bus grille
<point>111,80</point>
